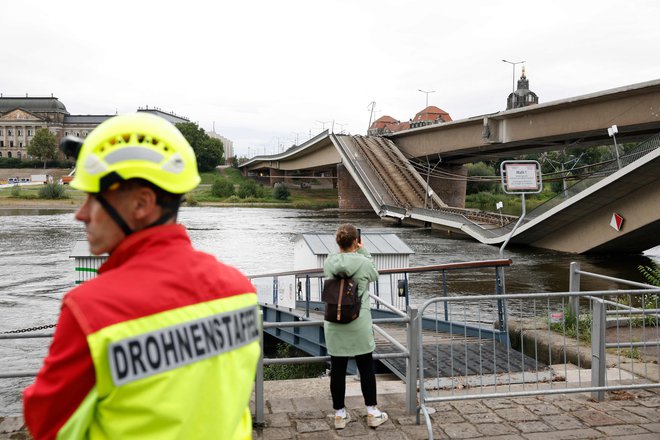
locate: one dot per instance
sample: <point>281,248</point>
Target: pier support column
<point>349,193</point>
<point>452,190</point>
<point>276,176</point>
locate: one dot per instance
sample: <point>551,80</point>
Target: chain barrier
<point>31,329</point>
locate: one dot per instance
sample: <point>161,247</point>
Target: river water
<point>36,271</point>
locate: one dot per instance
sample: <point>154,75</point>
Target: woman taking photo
<point>356,338</point>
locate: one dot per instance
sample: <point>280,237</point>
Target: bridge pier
<point>349,193</point>
<point>451,191</point>
<point>276,176</point>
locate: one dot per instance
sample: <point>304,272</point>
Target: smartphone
<point>359,235</point>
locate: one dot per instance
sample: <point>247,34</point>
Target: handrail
<point>415,269</point>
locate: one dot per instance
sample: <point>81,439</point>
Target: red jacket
<point>151,271</point>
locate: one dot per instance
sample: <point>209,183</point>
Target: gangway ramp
<point>446,355</point>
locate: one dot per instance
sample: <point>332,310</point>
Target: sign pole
<point>520,177</point>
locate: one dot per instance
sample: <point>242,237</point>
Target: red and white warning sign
<point>617,221</point>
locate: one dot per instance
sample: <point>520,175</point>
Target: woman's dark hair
<point>346,235</point>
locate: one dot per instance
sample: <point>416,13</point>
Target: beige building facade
<point>21,117</point>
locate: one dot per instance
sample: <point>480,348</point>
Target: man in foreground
<point>164,343</point>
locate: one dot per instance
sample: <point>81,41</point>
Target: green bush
<point>191,200</point>
<point>250,188</point>
<point>292,371</point>
<point>281,192</point>
<point>53,191</point>
<point>222,188</point>
<point>16,191</point>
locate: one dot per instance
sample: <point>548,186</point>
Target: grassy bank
<point>263,196</point>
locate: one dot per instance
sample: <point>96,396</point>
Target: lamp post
<point>427,95</point>
<point>513,77</point>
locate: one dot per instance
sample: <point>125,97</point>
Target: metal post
<point>524,211</point>
<point>501,305</point>
<point>411,366</point>
<point>444,293</point>
<point>574,286</point>
<point>308,293</point>
<point>259,382</point>
<point>598,367</point>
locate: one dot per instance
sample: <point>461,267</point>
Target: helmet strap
<point>169,211</point>
<point>112,212</point>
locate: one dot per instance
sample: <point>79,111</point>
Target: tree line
<point>209,151</point>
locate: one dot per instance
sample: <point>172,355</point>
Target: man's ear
<point>144,204</point>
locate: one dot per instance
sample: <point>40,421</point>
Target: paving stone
<point>499,403</point>
<point>543,409</point>
<point>651,414</point>
<point>565,435</point>
<point>653,427</point>
<point>460,430</point>
<point>10,424</point>
<point>653,402</point>
<point>311,404</point>
<point>628,417</point>
<point>447,417</point>
<point>353,429</point>
<point>591,417</point>
<point>526,400</point>
<point>569,405</point>
<point>389,435</point>
<point>621,430</point>
<point>492,429</point>
<point>417,432</point>
<point>319,436</point>
<point>470,407</point>
<point>308,415</point>
<point>649,436</point>
<point>526,427</point>
<point>507,437</point>
<point>277,420</point>
<point>303,426</point>
<point>563,421</point>
<point>489,417</point>
<point>516,414</point>
<point>280,405</point>
<point>276,433</point>
<point>408,420</point>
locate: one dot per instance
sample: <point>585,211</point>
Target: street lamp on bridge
<point>513,78</point>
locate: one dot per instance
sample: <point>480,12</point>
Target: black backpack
<point>342,304</point>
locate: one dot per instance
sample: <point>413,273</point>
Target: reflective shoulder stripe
<point>179,319</point>
<point>182,344</point>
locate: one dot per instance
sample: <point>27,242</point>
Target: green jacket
<point>356,337</point>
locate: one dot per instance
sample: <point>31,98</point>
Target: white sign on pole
<point>520,177</point>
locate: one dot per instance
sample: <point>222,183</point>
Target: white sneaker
<point>341,422</point>
<point>375,421</point>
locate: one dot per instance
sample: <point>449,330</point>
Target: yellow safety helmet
<point>138,145</point>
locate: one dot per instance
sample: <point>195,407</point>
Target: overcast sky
<point>270,72</point>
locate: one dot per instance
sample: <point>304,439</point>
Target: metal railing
<point>561,340</point>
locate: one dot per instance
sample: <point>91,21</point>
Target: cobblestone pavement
<point>623,415</point>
